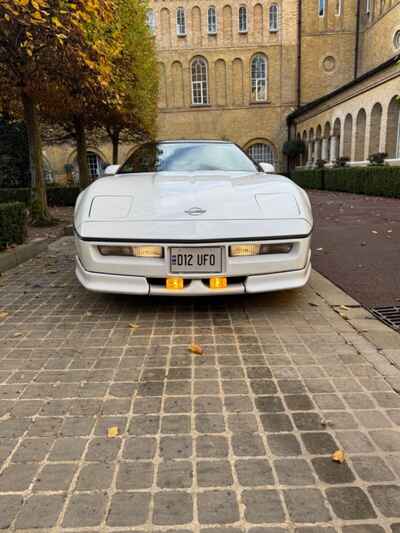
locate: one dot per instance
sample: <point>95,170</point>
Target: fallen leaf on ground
<point>112,432</point>
<point>195,348</point>
<point>3,314</point>
<point>338,456</point>
<point>343,315</point>
<point>133,326</point>
<point>345,307</point>
<point>374,232</point>
<point>17,334</point>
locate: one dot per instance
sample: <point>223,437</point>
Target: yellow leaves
<point>56,22</point>
<point>112,432</point>
<point>133,327</point>
<point>338,456</point>
<point>3,314</point>
<point>196,348</point>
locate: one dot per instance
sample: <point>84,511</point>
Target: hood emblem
<point>196,211</point>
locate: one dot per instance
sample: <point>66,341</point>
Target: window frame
<point>180,21</point>
<point>321,8</point>
<point>338,8</point>
<point>151,20</point>
<point>212,25</point>
<point>273,28</point>
<point>396,40</point>
<point>265,145</point>
<point>256,80</point>
<point>241,18</point>
<point>200,84</point>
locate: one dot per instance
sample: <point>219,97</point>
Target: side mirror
<point>267,168</point>
<point>111,170</point>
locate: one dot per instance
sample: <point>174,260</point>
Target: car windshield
<point>189,157</point>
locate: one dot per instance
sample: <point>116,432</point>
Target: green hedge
<point>61,196</point>
<point>13,220</point>
<point>373,180</point>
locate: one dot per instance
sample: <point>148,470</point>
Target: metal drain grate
<point>389,314</point>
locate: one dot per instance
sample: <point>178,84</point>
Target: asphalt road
<point>356,244</point>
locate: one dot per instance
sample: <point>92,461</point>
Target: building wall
<point>377,33</point>
<point>327,47</point>
<point>327,58</point>
<point>231,113</point>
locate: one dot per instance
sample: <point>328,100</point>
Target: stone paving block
<point>213,446</point>
<point>128,509</point>
<point>263,506</point>
<point>294,472</point>
<point>9,507</point>
<point>175,475</point>
<point>360,508</point>
<point>172,508</point>
<point>331,472</point>
<point>372,468</point>
<point>217,507</point>
<point>95,476</point>
<point>40,511</point>
<point>254,472</point>
<point>284,444</point>
<point>135,475</point>
<point>32,450</point>
<point>85,510</point>
<point>55,477</point>
<point>17,477</point>
<point>386,498</point>
<point>214,473</point>
<point>306,505</point>
<point>67,449</point>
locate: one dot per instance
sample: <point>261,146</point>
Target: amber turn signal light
<point>174,284</point>
<point>218,283</point>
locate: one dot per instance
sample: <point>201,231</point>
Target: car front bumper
<point>122,284</point>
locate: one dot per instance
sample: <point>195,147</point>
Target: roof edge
<point>315,103</point>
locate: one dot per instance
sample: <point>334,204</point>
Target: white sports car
<point>192,218</point>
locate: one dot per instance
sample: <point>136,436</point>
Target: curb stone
<point>15,256</point>
<point>378,343</point>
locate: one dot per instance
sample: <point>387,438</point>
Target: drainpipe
<point>299,35</point>
<point>357,44</point>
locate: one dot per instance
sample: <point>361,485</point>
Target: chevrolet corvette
<point>192,218</point>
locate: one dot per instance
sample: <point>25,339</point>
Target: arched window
<point>96,166</point>
<point>262,153</point>
<point>151,20</point>
<point>199,81</point>
<point>338,8</point>
<point>212,20</point>
<point>321,8</point>
<point>180,22</point>
<point>259,78</point>
<point>242,19</point>
<point>273,18</point>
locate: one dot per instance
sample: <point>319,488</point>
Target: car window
<point>189,157</point>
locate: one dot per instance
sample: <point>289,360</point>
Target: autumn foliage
<point>64,60</point>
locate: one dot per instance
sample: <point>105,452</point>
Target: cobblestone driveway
<point>238,439</point>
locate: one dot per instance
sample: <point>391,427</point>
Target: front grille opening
<point>389,314</point>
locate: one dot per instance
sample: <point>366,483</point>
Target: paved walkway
<point>235,440</point>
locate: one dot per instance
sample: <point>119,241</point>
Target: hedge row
<point>61,196</point>
<point>372,180</point>
<point>13,221</point>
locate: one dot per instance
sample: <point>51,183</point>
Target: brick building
<point>252,71</point>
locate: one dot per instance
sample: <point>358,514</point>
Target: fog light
<point>247,250</point>
<point>218,283</point>
<point>133,251</point>
<point>174,284</point>
<point>241,250</point>
<point>148,251</point>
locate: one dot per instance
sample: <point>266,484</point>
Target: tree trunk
<point>40,212</point>
<point>81,148</point>
<point>115,147</point>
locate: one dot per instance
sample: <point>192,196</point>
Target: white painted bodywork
<point>151,207</point>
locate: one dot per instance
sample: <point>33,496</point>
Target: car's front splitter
<point>120,284</point>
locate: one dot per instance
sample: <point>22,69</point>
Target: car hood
<point>197,199</point>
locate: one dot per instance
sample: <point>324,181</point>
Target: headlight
<point>133,251</point>
<point>246,250</point>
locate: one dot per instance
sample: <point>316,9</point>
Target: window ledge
<point>199,106</point>
<point>261,103</point>
<point>212,33</point>
<point>243,32</point>
<point>181,34</point>
<point>273,31</point>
